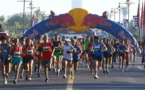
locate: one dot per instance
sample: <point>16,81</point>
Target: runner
<point>115,54</point>
<point>86,50</point>
<point>6,61</point>
<point>76,55</point>
<point>47,54</point>
<point>16,53</point>
<point>90,55</point>
<point>38,57</point>
<point>28,57</point>
<point>22,43</point>
<point>68,50</point>
<point>57,53</point>
<point>108,55</point>
<point>127,42</point>
<point>134,46</point>
<point>122,49</point>
<point>97,49</point>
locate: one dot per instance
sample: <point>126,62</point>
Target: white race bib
<point>45,48</point>
<point>17,54</point>
<point>30,52</point>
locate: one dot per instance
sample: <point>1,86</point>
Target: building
<point>76,4</point>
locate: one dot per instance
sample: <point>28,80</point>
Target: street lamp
<point>128,3</point>
<point>119,8</point>
<point>113,11</point>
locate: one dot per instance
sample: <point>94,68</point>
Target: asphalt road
<point>134,79</point>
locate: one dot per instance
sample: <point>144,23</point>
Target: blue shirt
<point>75,54</point>
<point>97,49</point>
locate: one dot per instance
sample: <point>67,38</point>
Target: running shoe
<point>35,69</point>
<point>5,82</point>
<point>15,82</point>
<point>57,73</point>
<point>39,75</point>
<point>96,77</point>
<point>26,78</point>
<point>72,77</point>
<point>122,70</point>
<point>64,76</point>
<point>107,71</point>
<point>29,79</point>
<point>104,71</point>
<point>47,80</point>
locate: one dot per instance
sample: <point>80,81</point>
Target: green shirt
<point>87,44</point>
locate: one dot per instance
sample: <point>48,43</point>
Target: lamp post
<point>113,11</point>
<point>119,8</point>
<point>128,3</point>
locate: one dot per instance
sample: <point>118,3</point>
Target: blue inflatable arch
<point>91,20</point>
<point>104,24</point>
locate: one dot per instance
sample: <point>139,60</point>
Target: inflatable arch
<point>79,20</point>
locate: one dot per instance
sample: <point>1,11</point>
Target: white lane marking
<point>140,68</point>
<point>70,83</point>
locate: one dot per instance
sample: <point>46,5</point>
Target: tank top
<point>66,55</point>
<point>37,45</point>
<point>55,45</point>
<point>97,49</point>
<point>17,51</point>
<point>29,51</point>
<point>6,51</point>
<point>75,54</point>
<point>122,48</point>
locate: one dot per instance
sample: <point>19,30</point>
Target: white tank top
<point>66,55</point>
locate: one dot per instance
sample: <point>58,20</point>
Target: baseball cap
<point>67,40</point>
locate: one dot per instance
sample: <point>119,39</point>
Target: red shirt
<point>46,50</point>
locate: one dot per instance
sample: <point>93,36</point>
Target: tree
<point>2,19</point>
<point>17,19</point>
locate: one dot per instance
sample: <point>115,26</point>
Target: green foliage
<point>2,19</point>
<point>16,21</point>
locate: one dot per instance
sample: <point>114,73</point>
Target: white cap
<point>67,40</point>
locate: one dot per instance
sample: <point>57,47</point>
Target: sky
<point>10,7</point>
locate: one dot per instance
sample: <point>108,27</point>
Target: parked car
<point>4,34</point>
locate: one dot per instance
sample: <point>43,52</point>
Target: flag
<point>125,23</point>
<point>138,15</point>
<point>135,25</point>
<point>144,16</point>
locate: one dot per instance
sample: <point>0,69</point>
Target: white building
<point>76,4</point>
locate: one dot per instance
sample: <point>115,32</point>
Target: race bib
<point>121,51</point>
<point>97,48</point>
<point>5,51</point>
<point>17,54</point>
<point>45,48</point>
<point>30,52</point>
<point>57,48</point>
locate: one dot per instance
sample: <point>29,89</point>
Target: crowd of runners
<point>23,56</point>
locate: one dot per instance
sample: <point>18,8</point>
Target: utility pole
<point>24,1</point>
<point>31,8</point>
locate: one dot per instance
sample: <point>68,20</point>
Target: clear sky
<point>9,7</point>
